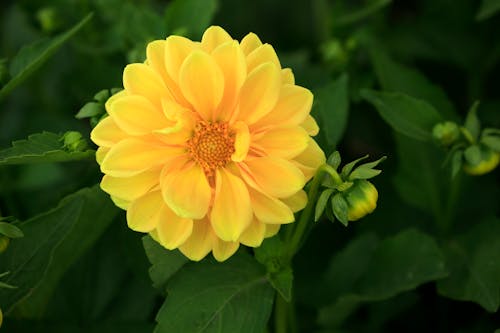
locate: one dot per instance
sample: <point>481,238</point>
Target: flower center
<point>211,145</point>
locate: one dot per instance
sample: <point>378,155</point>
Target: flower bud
<point>1,317</point>
<point>489,161</point>
<point>74,141</point>
<point>4,242</point>
<point>446,133</point>
<point>361,199</point>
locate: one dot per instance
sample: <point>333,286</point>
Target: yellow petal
<point>231,61</point>
<point>120,203</point>
<point>310,159</point>
<point>136,115</point>
<point>131,188</point>
<point>107,133</point>
<point>292,108</point>
<point>186,191</point>
<point>261,55</point>
<point>270,210</point>
<point>241,141</point>
<point>140,79</point>
<point>200,243</point>
<point>202,83</point>
<point>114,98</point>
<point>132,156</point>
<point>249,43</point>
<point>274,176</point>
<point>177,49</point>
<point>259,93</point>
<point>231,212</point>
<point>173,230</point>
<point>213,37</point>
<point>100,154</point>
<point>254,234</point>
<point>144,213</point>
<point>296,202</point>
<point>271,230</point>
<point>310,126</point>
<point>223,250</point>
<point>156,53</point>
<point>284,142</point>
<point>287,76</point>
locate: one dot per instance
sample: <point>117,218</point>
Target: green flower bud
<point>48,18</point>
<point>361,199</point>
<point>1,317</point>
<point>489,161</point>
<point>73,141</point>
<point>4,243</point>
<point>446,133</point>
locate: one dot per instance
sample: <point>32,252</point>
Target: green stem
<point>451,202</point>
<point>280,314</point>
<point>294,239</point>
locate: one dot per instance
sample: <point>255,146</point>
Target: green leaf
<point>346,170</point>
<point>474,259</point>
<point>399,78</point>
<point>41,148</point>
<point>52,242</point>
<point>488,9</point>
<point>473,154</point>
<point>334,160</point>
<point>361,12</point>
<point>10,230</point>
<point>491,141</point>
<point>407,115</point>
<point>31,57</point>
<point>332,107</point>
<point>456,162</point>
<point>164,263</point>
<point>369,270</point>
<point>340,208</point>
<point>472,124</point>
<point>190,17</point>
<point>233,296</point>
<point>364,173</point>
<point>282,281</point>
<point>89,110</point>
<point>321,204</point>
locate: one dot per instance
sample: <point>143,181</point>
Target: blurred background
<point>455,45</point>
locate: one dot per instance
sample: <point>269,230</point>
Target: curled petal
<point>144,213</point>
<point>132,156</point>
<point>173,230</point>
<point>287,76</point>
<point>249,43</point>
<point>296,202</point>
<point>259,93</point>
<point>186,191</point>
<point>223,250</point>
<point>270,210</point>
<point>310,125</point>
<point>136,115</point>
<point>107,133</point>
<point>131,188</point>
<point>140,79</point>
<point>274,176</point>
<point>177,49</point>
<point>254,234</point>
<point>310,159</point>
<point>100,154</point>
<point>201,241</point>
<point>213,37</point>
<point>202,83</point>
<point>261,55</point>
<point>231,212</point>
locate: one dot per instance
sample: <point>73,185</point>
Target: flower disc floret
<point>209,145</point>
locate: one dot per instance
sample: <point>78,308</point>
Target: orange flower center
<point>211,145</point>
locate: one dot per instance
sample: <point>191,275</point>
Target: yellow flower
<point>209,145</point>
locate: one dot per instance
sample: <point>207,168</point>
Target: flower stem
<point>280,314</point>
<point>294,240</point>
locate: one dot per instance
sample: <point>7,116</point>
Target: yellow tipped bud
<point>489,161</point>
<point>361,199</point>
<point>4,243</point>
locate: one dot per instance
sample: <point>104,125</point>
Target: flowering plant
<point>224,180</point>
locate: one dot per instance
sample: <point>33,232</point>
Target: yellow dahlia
<point>209,144</point>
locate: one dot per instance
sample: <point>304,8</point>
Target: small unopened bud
<point>446,133</point>
<point>361,199</point>
<point>489,160</point>
<point>1,317</point>
<point>73,141</point>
